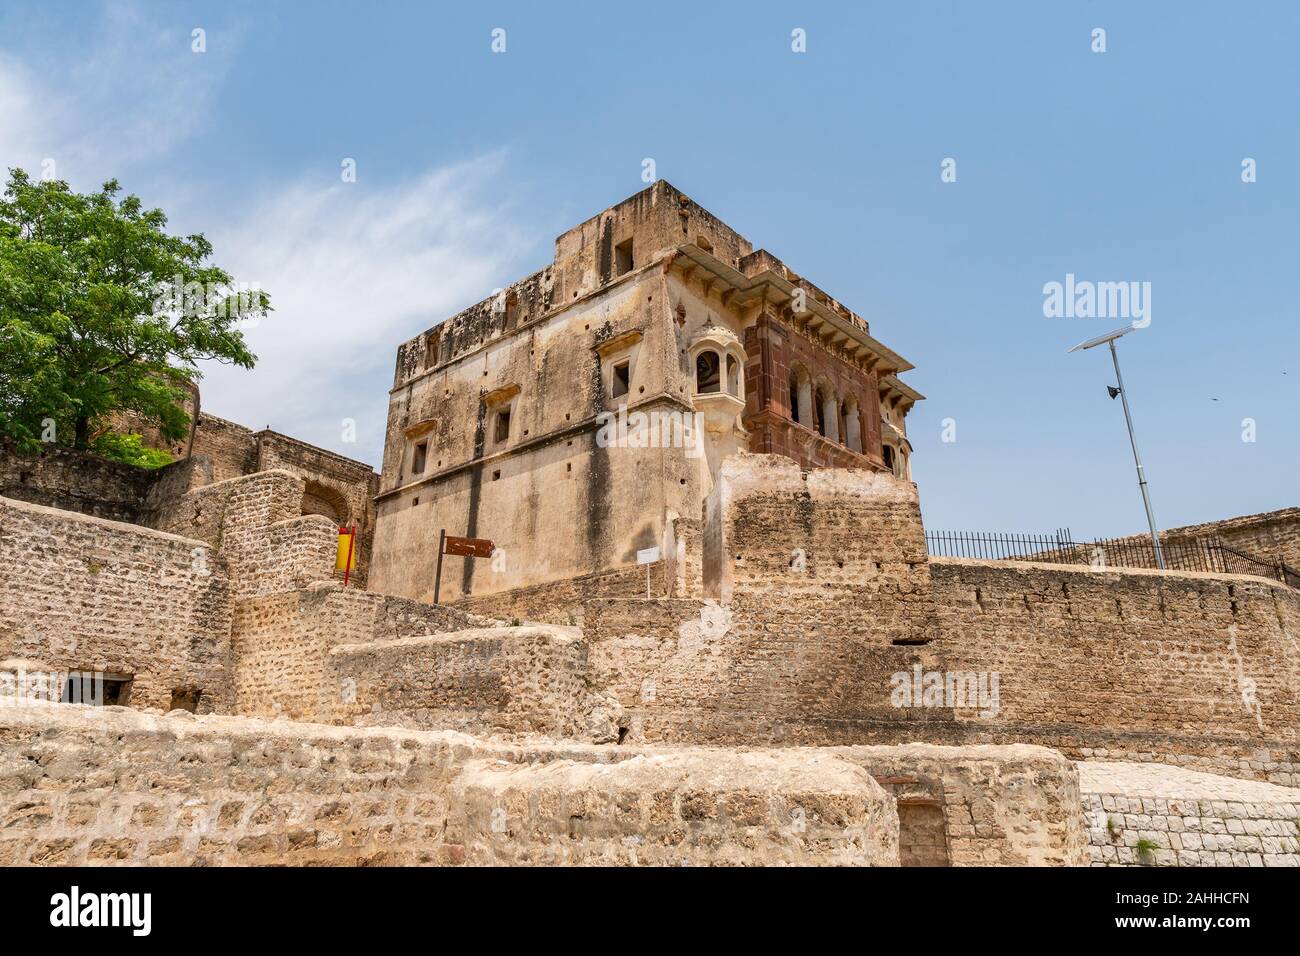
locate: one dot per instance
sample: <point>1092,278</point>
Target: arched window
<point>852,424</point>
<point>828,413</point>
<point>801,397</point>
<point>708,373</point>
<point>733,375</point>
<point>317,499</point>
<point>887,452</point>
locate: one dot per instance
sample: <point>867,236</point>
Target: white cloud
<point>131,99</point>
<point>353,270</point>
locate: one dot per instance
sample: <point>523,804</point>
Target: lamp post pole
<point>1142,478</point>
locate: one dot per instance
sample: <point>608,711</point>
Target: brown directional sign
<point>469,547</point>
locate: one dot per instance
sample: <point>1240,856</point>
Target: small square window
<point>97,690</point>
<point>186,698</point>
<point>622,375</point>
<point>623,257</point>
<point>502,431</point>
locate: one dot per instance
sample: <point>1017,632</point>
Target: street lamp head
<point>1102,339</point>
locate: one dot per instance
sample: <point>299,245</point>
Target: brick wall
<point>774,347</point>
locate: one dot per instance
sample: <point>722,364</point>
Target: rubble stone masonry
<point>1146,815</point>
<point>108,786</point>
<point>83,594</point>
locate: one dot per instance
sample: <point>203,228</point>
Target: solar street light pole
<point>1137,458</point>
<point>1109,339</point>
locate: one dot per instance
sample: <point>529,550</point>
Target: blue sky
<point>1115,166</point>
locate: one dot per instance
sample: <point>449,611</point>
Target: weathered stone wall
<point>563,602</point>
<point>548,491</point>
<point>721,808</point>
<point>339,488</point>
<point>112,786</point>
<point>1128,650</point>
<point>84,594</point>
<point>256,522</point>
<point>979,806</point>
<point>76,481</point>
<point>495,680</point>
<point>283,642</point>
<point>228,450</point>
<point>823,591</point>
<point>335,487</point>
<point>1152,815</point>
<point>832,599</point>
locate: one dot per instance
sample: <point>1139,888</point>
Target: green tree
<point>102,311</point>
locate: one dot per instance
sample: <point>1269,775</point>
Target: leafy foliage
<point>130,449</point>
<point>101,311</point>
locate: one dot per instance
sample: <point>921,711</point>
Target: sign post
<point>458,547</point>
<point>437,577</point>
<point>647,556</point>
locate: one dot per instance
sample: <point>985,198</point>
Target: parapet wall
<point>1112,652</point>
<point>1272,536</point>
<point>83,594</point>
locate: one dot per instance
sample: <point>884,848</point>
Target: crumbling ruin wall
<point>59,477</point>
<point>79,593</point>
<point>227,450</point>
<point>980,806</point>
<point>668,809</point>
<point>249,792</point>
